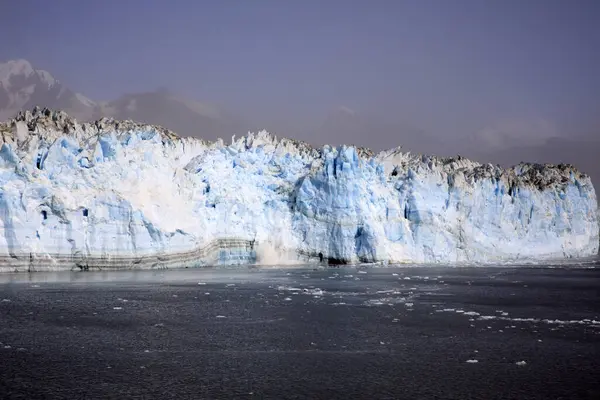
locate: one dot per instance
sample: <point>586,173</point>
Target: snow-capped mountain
<point>22,87</point>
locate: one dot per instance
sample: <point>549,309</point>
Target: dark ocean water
<point>377,333</point>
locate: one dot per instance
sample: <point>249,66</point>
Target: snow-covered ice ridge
<point>117,194</point>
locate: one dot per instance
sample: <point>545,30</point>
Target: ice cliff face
<point>121,194</point>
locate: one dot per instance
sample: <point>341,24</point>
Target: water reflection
<point>173,275</point>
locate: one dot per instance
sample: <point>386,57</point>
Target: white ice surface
<point>139,193</point>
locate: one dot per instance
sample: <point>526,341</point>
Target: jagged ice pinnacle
<point>116,194</point>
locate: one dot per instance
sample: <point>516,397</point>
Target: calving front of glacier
<point>125,195</point>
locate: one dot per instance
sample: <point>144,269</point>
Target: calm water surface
<point>373,333</point>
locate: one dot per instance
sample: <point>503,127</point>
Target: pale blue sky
<point>449,67</point>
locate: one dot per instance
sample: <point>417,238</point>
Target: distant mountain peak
<point>12,68</point>
<point>22,86</point>
<point>46,77</point>
<point>23,70</point>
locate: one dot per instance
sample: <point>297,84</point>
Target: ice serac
<point>117,194</point>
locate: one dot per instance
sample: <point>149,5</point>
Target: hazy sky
<point>449,67</point>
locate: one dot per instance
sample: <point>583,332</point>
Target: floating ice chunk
<point>288,289</point>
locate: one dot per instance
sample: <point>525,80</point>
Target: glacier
<point>119,194</point>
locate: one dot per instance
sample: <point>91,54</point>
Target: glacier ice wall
<point>120,194</point>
